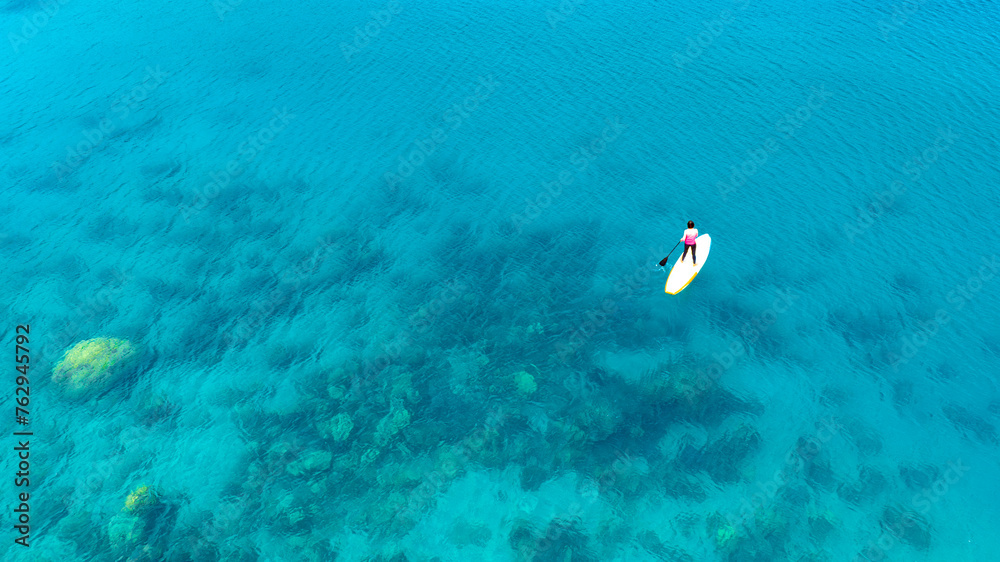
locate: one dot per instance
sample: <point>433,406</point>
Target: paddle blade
<point>663,262</point>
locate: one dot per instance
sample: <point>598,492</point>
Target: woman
<point>689,238</point>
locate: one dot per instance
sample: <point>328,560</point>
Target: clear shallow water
<point>825,389</point>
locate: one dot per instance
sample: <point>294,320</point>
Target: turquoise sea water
<point>390,269</point>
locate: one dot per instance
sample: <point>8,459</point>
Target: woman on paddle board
<point>689,238</point>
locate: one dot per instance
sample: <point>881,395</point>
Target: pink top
<point>690,235</point>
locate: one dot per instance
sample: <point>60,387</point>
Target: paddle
<point>663,262</point>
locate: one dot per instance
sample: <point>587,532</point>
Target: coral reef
<point>721,459</point>
<point>725,536</point>
<point>869,484</point>
<point>865,438</point>
<point>397,418</point>
<point>525,383</point>
<point>466,369</point>
<point>722,532</point>
<point>93,366</point>
<point>140,501</point>
<point>155,408</point>
<point>660,550</point>
<point>821,524</point>
<point>370,451</point>
<point>338,428</point>
<point>561,540</point>
<point>128,529</point>
<point>125,530</point>
<point>965,420</point>
<point>908,526</point>
<point>772,522</point>
<point>465,532</point>
<point>312,461</point>
<point>521,334</point>
<point>919,477</point>
<point>600,419</point>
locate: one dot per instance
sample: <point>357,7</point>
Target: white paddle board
<point>685,271</point>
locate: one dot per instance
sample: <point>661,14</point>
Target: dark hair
<point>690,224</point>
